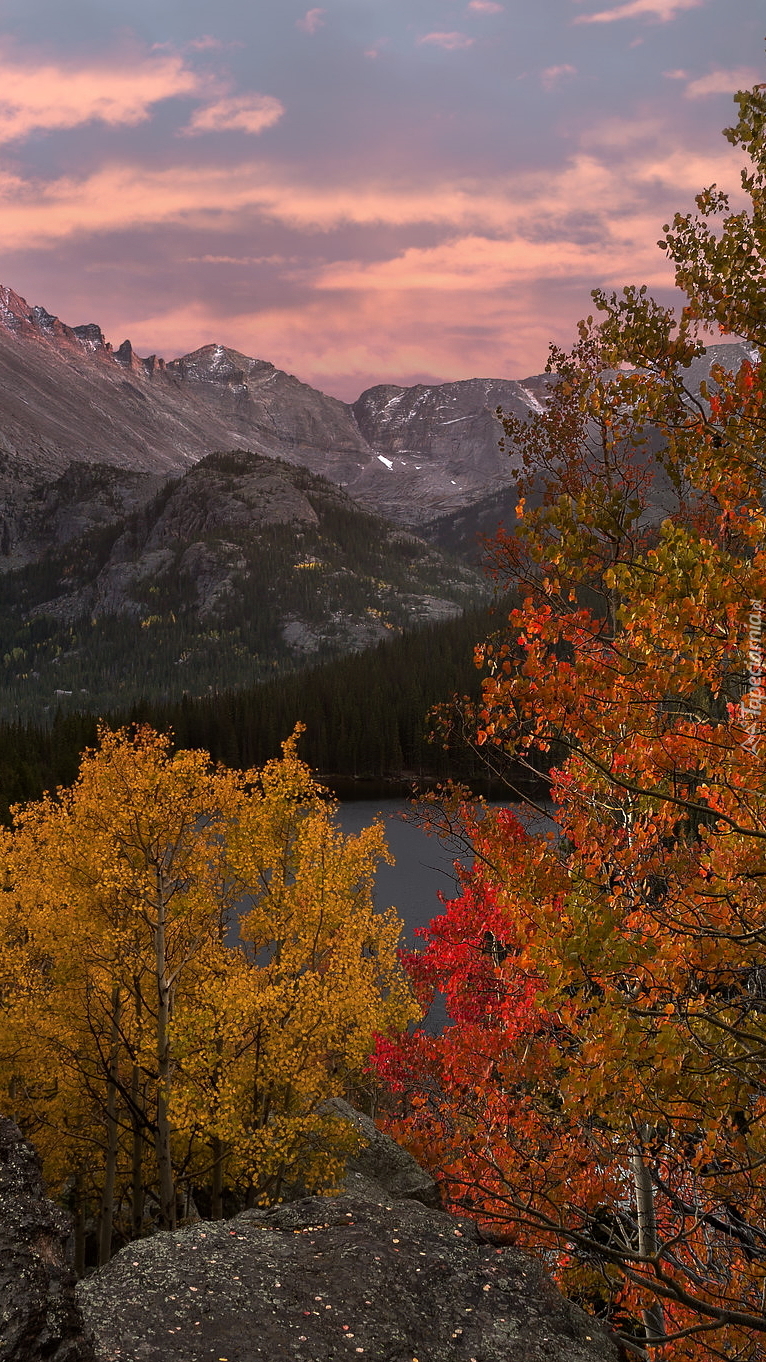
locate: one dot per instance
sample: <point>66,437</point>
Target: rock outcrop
<point>39,1316</point>
<point>382,1167</point>
<point>324,1279</point>
<point>362,1275</point>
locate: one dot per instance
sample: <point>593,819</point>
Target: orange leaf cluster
<point>601,1092</point>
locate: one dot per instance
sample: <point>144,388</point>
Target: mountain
<point>242,567</point>
<point>414,455</point>
<point>143,559</point>
<point>66,396</point>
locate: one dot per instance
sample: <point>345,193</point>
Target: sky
<point>364,191</point>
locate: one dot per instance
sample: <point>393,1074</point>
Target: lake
<point>424,866</point>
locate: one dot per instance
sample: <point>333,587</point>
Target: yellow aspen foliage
<point>190,966</point>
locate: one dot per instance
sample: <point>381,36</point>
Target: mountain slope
<point>242,567</point>
<point>437,447</point>
<point>414,455</point>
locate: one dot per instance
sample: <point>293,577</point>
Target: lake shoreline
<point>408,784</point>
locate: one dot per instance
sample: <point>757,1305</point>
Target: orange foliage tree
<point>190,966</point>
<point>601,1094</point>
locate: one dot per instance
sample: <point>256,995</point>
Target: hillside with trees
<point>366,718</point>
<point>243,569</point>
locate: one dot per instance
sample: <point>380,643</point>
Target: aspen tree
<point>602,1096</point>
<point>149,1045</point>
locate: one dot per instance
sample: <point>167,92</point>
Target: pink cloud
<point>722,82</point>
<point>485,7</point>
<point>510,260</point>
<point>207,43</point>
<point>391,341</point>
<point>451,42</point>
<point>477,264</point>
<point>623,134</point>
<point>663,10</point>
<point>236,196</point>
<point>244,113</point>
<point>551,76</point>
<point>241,260</point>
<point>312,20</point>
<point>36,96</point>
<point>517,257</point>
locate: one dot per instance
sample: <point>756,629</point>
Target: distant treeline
<point>366,718</point>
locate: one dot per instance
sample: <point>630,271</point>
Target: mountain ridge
<point>67,396</point>
<point>413,455</point>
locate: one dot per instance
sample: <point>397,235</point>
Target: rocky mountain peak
<point>91,336</point>
<point>15,312</point>
<point>218,364</point>
<point>127,357</point>
<point>37,323</point>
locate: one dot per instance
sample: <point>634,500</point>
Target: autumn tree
<point>190,966</point>
<point>292,1020</point>
<point>611,1105</point>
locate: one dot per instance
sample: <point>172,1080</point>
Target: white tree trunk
<point>654,1320</point>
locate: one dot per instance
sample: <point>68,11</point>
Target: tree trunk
<point>139,1128</point>
<point>167,1186</point>
<point>654,1320</point>
<point>216,1196</point>
<point>78,1215</point>
<point>112,1137</point>
<point>136,1163</point>
<point>216,1145</point>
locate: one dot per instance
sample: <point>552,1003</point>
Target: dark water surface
<point>424,866</point>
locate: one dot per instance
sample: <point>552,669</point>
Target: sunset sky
<point>363,191</point>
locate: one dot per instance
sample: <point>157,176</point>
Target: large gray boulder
<point>39,1317</point>
<point>324,1279</point>
<point>381,1165</point>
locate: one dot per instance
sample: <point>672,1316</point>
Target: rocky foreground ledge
<point>363,1277</point>
<point>324,1279</point>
